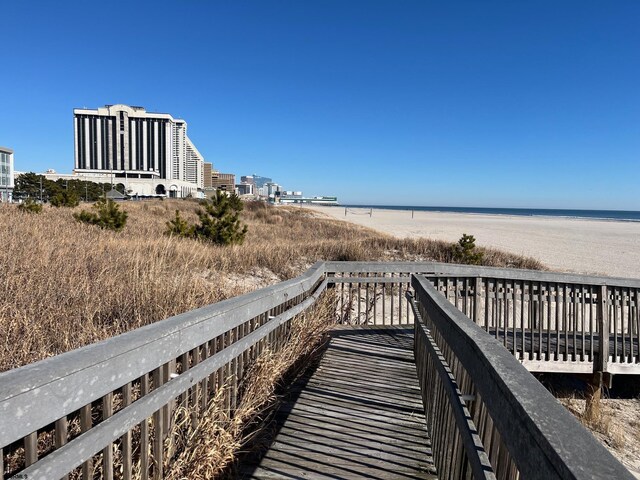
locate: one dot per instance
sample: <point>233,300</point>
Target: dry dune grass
<point>208,449</point>
<point>66,284</point>
<point>614,422</point>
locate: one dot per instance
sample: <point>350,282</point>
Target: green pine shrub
<point>30,206</point>
<point>179,227</point>
<point>65,198</point>
<point>219,221</point>
<point>465,251</point>
<point>106,215</point>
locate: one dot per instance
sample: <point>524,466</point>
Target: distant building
<point>270,190</point>
<point>245,188</point>
<point>223,181</point>
<point>208,170</point>
<point>151,151</point>
<point>6,174</point>
<point>288,199</point>
<point>257,180</point>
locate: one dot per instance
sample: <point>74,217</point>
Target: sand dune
<point>564,244</point>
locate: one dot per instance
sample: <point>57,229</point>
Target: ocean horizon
<point>611,215</point>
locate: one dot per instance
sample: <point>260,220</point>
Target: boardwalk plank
<point>358,415</point>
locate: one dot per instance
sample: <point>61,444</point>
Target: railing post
<point>602,359</point>
<point>476,300</point>
<point>330,283</point>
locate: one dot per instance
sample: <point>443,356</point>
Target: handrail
<point>452,269</point>
<point>428,354</point>
<point>541,436</point>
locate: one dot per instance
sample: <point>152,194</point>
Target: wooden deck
<point>359,414</point>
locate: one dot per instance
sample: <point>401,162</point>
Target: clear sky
<point>475,103</point>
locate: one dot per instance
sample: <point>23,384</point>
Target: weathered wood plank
<point>359,415</point>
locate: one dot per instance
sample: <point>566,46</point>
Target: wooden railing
<point>77,412</point>
<point>112,402</point>
<point>549,321</point>
<point>487,416</point>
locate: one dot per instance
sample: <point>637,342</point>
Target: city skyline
<point>493,105</point>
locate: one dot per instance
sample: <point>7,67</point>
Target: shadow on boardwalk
<point>356,414</point>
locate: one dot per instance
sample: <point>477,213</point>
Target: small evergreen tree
<point>179,226</point>
<point>30,206</point>
<point>465,251</point>
<point>220,220</point>
<point>65,198</point>
<point>107,215</point>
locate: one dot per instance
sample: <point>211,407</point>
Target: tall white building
<point>151,151</point>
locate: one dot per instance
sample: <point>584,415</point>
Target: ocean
<point>617,215</point>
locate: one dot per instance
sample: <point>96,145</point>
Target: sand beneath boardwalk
<point>564,244</point>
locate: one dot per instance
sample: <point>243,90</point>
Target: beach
<point>588,246</point>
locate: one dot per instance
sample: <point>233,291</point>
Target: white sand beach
<point>563,244</point>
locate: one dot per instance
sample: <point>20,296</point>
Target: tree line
<point>38,187</point>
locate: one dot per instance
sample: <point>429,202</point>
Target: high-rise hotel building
<point>131,143</point>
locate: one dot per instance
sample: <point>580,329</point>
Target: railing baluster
<point>565,313</point>
<point>632,325</point>
<point>603,329</point>
<point>539,313</point>
<point>487,288</point>
<point>557,325</point>
<point>61,435</point>
<point>583,322</point>
<point>126,438</point>
<point>85,425</point>
<point>613,325</point>
<point>592,324</point>
<point>626,331</point>
<point>107,452</point>
<point>144,432</point>
<point>505,330</point>
<point>476,300</point>
<point>359,300</point>
<point>158,428</point>
<point>496,309</point>
<point>31,449</point>
<point>548,298</point>
<point>522,321</point>
<point>400,299</point>
<point>392,294</point>
<point>514,317</point>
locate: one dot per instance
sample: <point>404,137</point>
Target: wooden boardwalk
<point>359,414</point>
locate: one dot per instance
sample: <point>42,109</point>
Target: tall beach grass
<point>66,284</point>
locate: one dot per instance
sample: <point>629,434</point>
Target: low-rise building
<point>6,174</point>
<point>285,199</point>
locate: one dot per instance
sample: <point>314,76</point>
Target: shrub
<point>30,206</point>
<point>65,198</point>
<point>220,220</point>
<point>179,226</point>
<point>107,215</point>
<point>465,251</point>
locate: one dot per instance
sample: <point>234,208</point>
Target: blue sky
<point>475,103</point>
